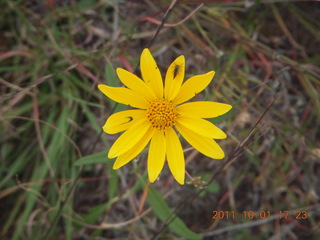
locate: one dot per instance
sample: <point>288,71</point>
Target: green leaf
<point>100,157</point>
<point>94,213</point>
<point>162,211</point>
<point>113,81</point>
<point>214,187</point>
<point>111,76</point>
<point>85,4</point>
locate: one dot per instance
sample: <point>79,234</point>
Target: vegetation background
<point>55,179</point>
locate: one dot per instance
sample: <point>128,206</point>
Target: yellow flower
<point>158,110</point>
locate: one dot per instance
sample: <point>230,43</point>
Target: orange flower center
<point>162,114</point>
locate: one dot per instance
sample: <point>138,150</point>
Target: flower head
<point>159,112</point>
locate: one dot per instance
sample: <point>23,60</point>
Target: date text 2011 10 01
<point>259,214</point>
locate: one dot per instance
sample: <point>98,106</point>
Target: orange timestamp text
<point>259,214</point>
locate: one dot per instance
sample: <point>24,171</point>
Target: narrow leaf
<point>100,157</point>
<point>162,211</point>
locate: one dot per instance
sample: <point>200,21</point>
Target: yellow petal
<point>174,78</point>
<point>121,121</point>
<point>205,145</point>
<point>129,138</point>
<point>202,127</point>
<point>193,86</point>
<point>133,152</point>
<point>156,155</point>
<point>135,84</point>
<point>175,155</point>
<point>124,96</point>
<point>203,109</point>
<point>151,73</point>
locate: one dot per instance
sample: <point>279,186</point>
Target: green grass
<point>56,181</point>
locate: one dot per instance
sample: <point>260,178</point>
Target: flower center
<point>162,114</point>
